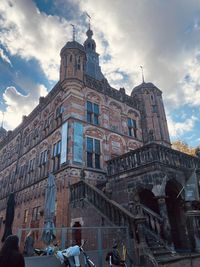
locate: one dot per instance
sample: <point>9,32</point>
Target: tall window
<point>92,113</point>
<point>31,168</point>
<point>36,213</point>
<point>93,153</point>
<point>43,164</point>
<point>26,216</point>
<point>56,155</point>
<point>132,127</point>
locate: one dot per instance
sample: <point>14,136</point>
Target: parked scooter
<point>71,257</point>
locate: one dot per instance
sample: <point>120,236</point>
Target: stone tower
<point>73,60</point>
<point>153,119</point>
<point>92,65</point>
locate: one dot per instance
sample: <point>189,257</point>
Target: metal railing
<point>99,240</point>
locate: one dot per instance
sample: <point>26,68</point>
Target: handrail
<point>85,188</point>
<point>141,206</point>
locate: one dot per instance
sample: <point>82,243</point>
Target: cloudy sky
<point>161,35</point>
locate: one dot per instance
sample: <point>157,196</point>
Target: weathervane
<point>73,31</point>
<point>142,74</point>
<point>89,18</point>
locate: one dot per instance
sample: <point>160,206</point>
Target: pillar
<point>166,228</point>
<point>192,217</point>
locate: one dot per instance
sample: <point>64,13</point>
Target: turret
<point>92,65</point>
<point>73,60</point>
<point>154,123</point>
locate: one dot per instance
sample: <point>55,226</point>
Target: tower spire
<point>142,73</point>
<point>74,34</point>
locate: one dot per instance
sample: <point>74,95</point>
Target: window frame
<point>93,154</point>
<point>92,112</point>
<point>132,127</point>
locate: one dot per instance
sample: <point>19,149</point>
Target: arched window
<point>70,58</point>
<point>79,63</point>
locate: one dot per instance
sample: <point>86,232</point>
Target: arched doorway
<point>176,214</point>
<point>148,199</point>
<point>76,234</point>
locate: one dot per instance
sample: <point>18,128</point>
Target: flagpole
<point>180,191</point>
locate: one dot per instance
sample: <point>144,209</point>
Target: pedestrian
<point>29,244</point>
<point>9,253</point>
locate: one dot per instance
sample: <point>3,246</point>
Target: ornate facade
<point>86,132</point>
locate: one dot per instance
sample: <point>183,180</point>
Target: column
<point>192,224</point>
<point>166,228</point>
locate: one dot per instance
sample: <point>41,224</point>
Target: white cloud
<point>4,57</point>
<point>177,129</point>
<point>163,36</point>
<point>19,105</point>
<point>28,33</point>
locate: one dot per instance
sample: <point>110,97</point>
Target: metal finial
<point>142,74</point>
<point>2,119</point>
<point>89,18</point>
<point>73,36</point>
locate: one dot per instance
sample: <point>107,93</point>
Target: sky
<point>161,35</point>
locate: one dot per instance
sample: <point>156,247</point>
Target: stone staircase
<point>146,223</point>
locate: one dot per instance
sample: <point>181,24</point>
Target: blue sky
<point>163,36</point>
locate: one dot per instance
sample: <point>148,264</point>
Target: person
<point>9,253</point>
<point>29,244</point>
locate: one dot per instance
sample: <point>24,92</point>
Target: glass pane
<point>96,119</point>
<point>97,146</point>
<point>89,144</point>
<point>134,123</point>
<point>45,156</point>
<point>78,142</point>
<point>96,108</point>
<point>54,149</point>
<point>89,160</point>
<point>64,143</point>
<point>129,131</point>
<point>129,122</point>
<point>89,117</point>
<point>97,161</point>
<point>89,106</point>
<point>58,147</point>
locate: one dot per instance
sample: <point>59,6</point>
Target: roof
<point>143,86</point>
<point>73,45</point>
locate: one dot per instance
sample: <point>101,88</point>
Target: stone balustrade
<point>151,153</point>
<point>110,209</point>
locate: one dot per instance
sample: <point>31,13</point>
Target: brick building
<point>97,138</point>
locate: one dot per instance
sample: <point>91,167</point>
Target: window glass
<point>89,144</point>
<point>96,109</point>
<point>89,106</point>
<point>97,146</point>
